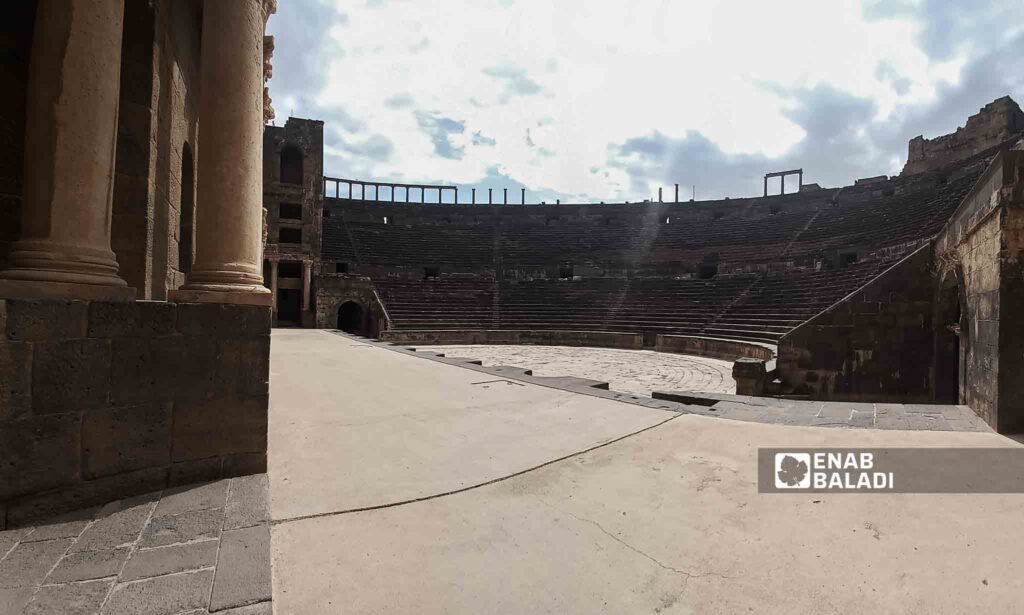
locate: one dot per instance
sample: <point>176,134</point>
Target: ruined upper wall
<point>993,124</point>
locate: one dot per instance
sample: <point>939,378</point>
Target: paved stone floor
<point>637,372</point>
<point>403,484</point>
<point>191,550</point>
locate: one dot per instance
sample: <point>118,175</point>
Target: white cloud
<point>542,91</point>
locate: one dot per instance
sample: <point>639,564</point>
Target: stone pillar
<point>306,275</point>
<point>70,135</point>
<point>228,266</point>
<point>273,284</point>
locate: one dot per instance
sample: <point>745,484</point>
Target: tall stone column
<point>307,268</point>
<point>228,265</point>
<point>70,135</point>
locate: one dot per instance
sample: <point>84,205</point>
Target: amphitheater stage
<point>405,485</point>
<point>637,372</point>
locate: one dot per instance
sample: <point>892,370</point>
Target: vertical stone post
<point>273,284</point>
<point>522,196</point>
<point>230,182</point>
<point>307,269</point>
<point>783,178</point>
<point>765,186</point>
<point>70,134</point>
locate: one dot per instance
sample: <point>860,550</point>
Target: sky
<point>610,100</point>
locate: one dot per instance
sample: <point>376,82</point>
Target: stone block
<point>146,563</point>
<point>263,608</point>
<point>68,525</point>
<point>132,319</point>
<point>70,599</point>
<point>195,471</point>
<point>161,369</point>
<point>223,320</point>
<point>70,375</point>
<point>242,464</point>
<point>13,600</point>
<point>248,502</point>
<point>183,527</point>
<point>167,594</point>
<point>30,321</point>
<point>89,565</point>
<point>117,524</point>
<point>243,568</point>
<point>15,380</point>
<point>124,439</point>
<point>214,427</point>
<point>190,498</point>
<point>243,366</point>
<point>85,493</point>
<point>39,453</point>
<point>29,562</point>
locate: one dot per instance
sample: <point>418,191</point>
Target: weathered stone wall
<point>874,345</point>
<point>158,116</point>
<point>714,347</point>
<point>102,400</point>
<point>993,124</point>
<point>335,289</point>
<point>599,339</point>
<point>307,136</point>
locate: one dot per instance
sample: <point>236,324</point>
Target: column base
<point>257,295</point>
<point>38,289</point>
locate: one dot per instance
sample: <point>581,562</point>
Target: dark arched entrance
<point>952,331</point>
<point>350,317</point>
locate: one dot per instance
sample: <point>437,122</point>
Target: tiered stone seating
<point>438,304</point>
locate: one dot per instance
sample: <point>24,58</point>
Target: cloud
<point>609,104</point>
<point>517,83</point>
<point>440,129</point>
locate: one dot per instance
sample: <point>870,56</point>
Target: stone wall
<point>993,124</point>
<point>875,345</point>
<point>600,339</point>
<point>335,289</point>
<point>102,400</point>
<point>714,347</point>
<point>16,41</point>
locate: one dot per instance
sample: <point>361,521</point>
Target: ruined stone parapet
<point>994,123</point>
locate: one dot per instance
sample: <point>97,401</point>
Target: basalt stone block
<point>174,593</point>
<point>86,493</point>
<point>223,320</point>
<point>195,471</point>
<point>70,598</point>
<point>243,366</point>
<point>70,375</point>
<point>39,453</point>
<point>223,426</point>
<point>15,380</point>
<point>132,319</point>
<point>161,369</point>
<point>46,320</point>
<point>242,464</point>
<point>243,571</point>
<point>125,439</point>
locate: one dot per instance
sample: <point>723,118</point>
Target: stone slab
<point>146,563</point>
<point>29,562</point>
<point>183,527</point>
<point>192,498</point>
<point>166,595</point>
<point>117,524</point>
<point>248,502</point>
<point>243,568</point>
<point>87,565</point>
<point>70,598</point>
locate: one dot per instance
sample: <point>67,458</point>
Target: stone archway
<point>350,317</point>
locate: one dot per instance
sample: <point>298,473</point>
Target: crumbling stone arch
<point>351,317</point>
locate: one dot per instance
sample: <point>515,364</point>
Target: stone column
<point>307,268</point>
<point>70,135</point>
<point>273,284</point>
<point>228,265</point>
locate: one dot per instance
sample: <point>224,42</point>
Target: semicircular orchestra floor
<point>637,372</point>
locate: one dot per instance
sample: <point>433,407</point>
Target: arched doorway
<point>952,331</point>
<point>350,317</point>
